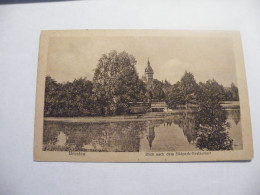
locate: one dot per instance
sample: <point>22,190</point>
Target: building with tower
<point>148,77</point>
<point>156,106</point>
<point>150,104</point>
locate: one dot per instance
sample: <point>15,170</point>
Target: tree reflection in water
<point>235,115</point>
<point>212,130</point>
<point>110,136</point>
<point>206,129</point>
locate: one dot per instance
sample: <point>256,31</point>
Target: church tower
<point>149,75</point>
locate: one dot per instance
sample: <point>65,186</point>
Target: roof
<point>159,105</point>
<point>148,68</point>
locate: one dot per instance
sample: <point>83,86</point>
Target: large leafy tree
<point>183,92</point>
<point>116,83</point>
<point>210,94</point>
<point>211,119</point>
<point>188,88</point>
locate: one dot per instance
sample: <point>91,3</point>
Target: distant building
<point>148,77</point>
<point>158,106</point>
<point>155,106</point>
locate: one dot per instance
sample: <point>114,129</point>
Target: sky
<point>70,58</point>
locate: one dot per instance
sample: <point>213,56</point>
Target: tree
<point>77,98</point>
<point>211,129</point>
<point>183,92</point>
<point>175,97</point>
<point>116,83</point>
<point>210,94</point>
<point>167,87</point>
<point>211,119</point>
<point>231,93</point>
<point>234,92</point>
<point>158,90</point>
<point>52,89</point>
<point>188,88</point>
<point>68,99</point>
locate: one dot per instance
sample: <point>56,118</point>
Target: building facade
<point>148,77</point>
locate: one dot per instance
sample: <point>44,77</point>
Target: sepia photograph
<point>147,95</point>
<point>129,97</point>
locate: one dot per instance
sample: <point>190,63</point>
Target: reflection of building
<point>150,134</point>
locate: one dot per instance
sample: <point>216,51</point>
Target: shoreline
<point>120,118</point>
<point>134,117</point>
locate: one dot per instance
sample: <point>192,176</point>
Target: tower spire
<point>148,69</point>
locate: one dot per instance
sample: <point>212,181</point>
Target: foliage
<point>121,136</point>
<point>52,89</point>
<point>68,99</point>
<point>210,94</point>
<point>158,90</point>
<point>208,130</point>
<point>116,83</point>
<point>211,130</point>
<point>187,91</point>
<point>183,92</point>
<point>188,88</point>
<point>231,93</point>
<point>211,119</point>
<point>175,97</point>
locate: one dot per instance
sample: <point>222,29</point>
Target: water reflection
<point>217,130</point>
<point>112,136</point>
<point>151,134</point>
<point>211,129</point>
<point>235,115</point>
<point>186,121</point>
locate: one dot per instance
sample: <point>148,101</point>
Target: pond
<point>183,131</point>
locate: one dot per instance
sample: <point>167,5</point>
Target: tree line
<point>188,91</point>
<point>116,83</point>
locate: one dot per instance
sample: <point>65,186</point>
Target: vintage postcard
<point>141,96</point>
